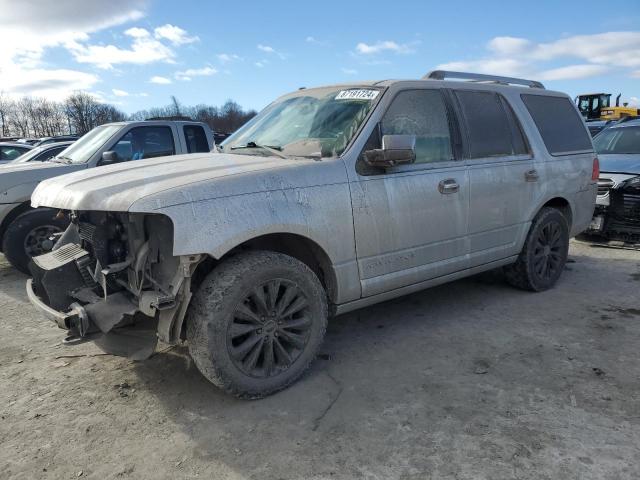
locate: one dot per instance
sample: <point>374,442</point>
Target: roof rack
<point>479,77</point>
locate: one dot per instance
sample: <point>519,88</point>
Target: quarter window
<point>561,127</point>
<point>196,139</point>
<point>145,142</point>
<point>421,113</point>
<point>492,129</point>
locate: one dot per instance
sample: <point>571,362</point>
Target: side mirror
<point>396,150</point>
<point>109,158</point>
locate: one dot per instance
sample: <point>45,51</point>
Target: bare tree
<point>81,112</point>
<point>5,112</point>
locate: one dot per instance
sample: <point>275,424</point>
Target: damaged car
<point>617,212</point>
<point>329,200</point>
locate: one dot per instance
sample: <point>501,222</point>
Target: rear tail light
<point>595,173</point>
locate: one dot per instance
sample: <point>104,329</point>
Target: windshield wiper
<point>274,149</point>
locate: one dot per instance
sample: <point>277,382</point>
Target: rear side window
<point>491,125</point>
<point>559,124</point>
<point>196,139</point>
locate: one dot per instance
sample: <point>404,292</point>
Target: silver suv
<point>331,199</point>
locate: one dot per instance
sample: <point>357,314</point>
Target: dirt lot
<point>472,380</point>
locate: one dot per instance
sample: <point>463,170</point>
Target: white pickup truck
<point>27,232</point>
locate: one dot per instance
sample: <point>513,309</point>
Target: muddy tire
<point>256,323</point>
<point>544,254</point>
<point>28,235</point>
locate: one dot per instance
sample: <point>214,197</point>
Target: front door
<point>411,221</point>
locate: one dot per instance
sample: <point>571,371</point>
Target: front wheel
<point>544,254</point>
<point>29,235</point>
<point>256,323</point>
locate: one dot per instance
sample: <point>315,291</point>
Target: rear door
<point>411,221</point>
<point>501,175</point>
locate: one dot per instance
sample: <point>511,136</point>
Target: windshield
<point>310,123</point>
<point>619,140</point>
<point>82,150</point>
<point>32,154</point>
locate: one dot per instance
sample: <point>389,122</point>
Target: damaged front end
<point>112,278</point>
<point>617,212</point>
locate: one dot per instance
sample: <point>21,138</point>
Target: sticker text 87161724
<point>357,94</point>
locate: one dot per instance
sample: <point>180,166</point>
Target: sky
<point>137,53</point>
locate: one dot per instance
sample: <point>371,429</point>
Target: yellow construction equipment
<point>597,106</point>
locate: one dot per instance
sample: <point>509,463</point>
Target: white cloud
<point>598,54</point>
<point>143,50</point>
<point>349,71</point>
<point>28,28</point>
<point>123,93</point>
<point>266,48</point>
<point>271,51</point>
<point>383,46</point>
<point>186,75</point>
<point>573,71</point>
<point>509,45</point>
<point>259,64</point>
<point>497,66</point>
<point>175,35</point>
<point>228,57</point>
<point>160,80</point>
<point>55,84</point>
<point>315,41</point>
<point>137,32</point>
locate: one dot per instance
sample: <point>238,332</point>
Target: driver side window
<point>421,113</point>
<point>145,142</point>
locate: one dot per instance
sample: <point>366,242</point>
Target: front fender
<point>322,214</point>
<point>18,193</point>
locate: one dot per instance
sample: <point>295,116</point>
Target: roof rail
<point>479,77</point>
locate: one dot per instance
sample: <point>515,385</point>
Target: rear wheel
<point>29,236</point>
<point>544,254</point>
<point>256,323</point>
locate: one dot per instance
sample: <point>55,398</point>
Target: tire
<point>232,332</point>
<point>27,236</point>
<point>544,254</point>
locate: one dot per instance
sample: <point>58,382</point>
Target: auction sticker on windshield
<point>359,94</point>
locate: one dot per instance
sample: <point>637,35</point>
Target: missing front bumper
<point>74,318</point>
<point>135,340</point>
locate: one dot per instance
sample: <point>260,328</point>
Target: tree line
<point>80,112</point>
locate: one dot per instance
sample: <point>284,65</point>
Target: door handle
<point>448,186</point>
<point>531,176</point>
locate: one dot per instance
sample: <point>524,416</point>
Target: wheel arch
<point>11,216</point>
<point>295,245</point>
<point>562,204</point>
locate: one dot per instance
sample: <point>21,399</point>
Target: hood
<point>14,174</point>
<point>158,182</point>
<point>620,163</point>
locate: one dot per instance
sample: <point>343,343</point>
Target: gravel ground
<point>471,380</point>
